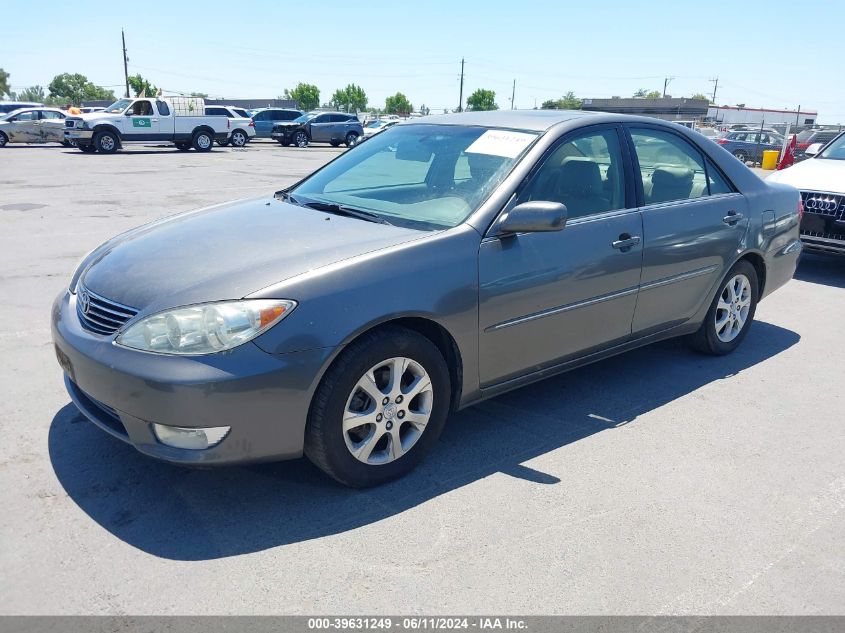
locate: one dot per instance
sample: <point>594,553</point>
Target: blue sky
<point>596,49</point>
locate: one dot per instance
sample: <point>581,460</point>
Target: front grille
<point>100,315</point>
<point>827,204</point>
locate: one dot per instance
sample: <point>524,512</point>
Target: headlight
<point>80,124</point>
<point>205,328</point>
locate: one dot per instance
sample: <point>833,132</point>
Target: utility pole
<point>715,86</point>
<point>513,94</point>
<point>666,84</point>
<point>125,61</point>
<point>461,95</point>
<point>798,116</point>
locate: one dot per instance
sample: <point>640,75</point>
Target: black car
<point>319,127</point>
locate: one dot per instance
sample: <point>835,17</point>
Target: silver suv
<point>319,127</point>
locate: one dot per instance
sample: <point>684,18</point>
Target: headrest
<point>671,176</point>
<point>579,175</point>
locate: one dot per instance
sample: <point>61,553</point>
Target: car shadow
<point>189,514</point>
<point>828,270</point>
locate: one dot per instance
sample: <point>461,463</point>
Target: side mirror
<point>534,217</point>
<point>127,113</point>
<point>813,149</point>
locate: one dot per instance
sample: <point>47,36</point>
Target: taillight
<point>251,123</point>
<point>722,141</point>
<point>802,145</point>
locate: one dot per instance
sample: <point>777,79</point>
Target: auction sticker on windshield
<point>501,143</point>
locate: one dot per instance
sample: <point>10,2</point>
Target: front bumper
<point>263,397</point>
<point>283,135</point>
<point>74,134</point>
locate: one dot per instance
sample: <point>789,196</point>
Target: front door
<point>693,223</point>
<point>321,128</point>
<point>142,122</point>
<point>549,297</point>
<point>24,128</point>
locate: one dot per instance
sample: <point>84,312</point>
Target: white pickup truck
<point>178,120</point>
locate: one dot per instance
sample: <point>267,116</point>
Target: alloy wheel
<point>387,411</point>
<point>732,308</point>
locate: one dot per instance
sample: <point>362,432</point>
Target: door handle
<point>626,242</point>
<point>154,120</point>
<point>732,218</point>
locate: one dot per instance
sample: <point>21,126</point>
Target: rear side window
<point>670,168</point>
<point>289,115</point>
<point>716,182</point>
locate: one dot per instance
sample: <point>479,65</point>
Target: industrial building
<point>728,115</point>
<point>668,108</point>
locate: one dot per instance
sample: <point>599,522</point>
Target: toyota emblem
<point>84,302</point>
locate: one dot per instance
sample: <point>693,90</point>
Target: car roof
<point>534,120</point>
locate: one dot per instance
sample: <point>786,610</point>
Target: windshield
<point>375,124</point>
<point>305,117</point>
<point>419,176</point>
<point>118,106</point>
<point>835,149</point>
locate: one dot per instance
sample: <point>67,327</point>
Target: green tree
<point>698,95</point>
<point>76,88</point>
<point>567,102</point>
<point>653,94</point>
<point>640,94</point>
<point>33,93</point>
<point>140,85</point>
<point>350,99</point>
<point>482,99</point>
<point>398,104</point>
<point>307,96</point>
<point>4,83</point>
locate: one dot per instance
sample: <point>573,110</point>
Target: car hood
<point>815,174</point>
<point>228,252</point>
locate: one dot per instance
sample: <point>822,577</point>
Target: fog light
<point>194,438</point>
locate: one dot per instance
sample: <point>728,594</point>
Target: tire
<point>3,139</point>
<point>238,138</point>
<point>300,139</point>
<point>330,447</point>
<point>106,142</point>
<point>68,143</point>
<point>741,156</point>
<point>223,143</point>
<point>351,139</point>
<point>183,147</point>
<point>203,141</point>
<point>87,149</point>
<point>335,143</point>
<point>728,310</point>
<point>284,143</point>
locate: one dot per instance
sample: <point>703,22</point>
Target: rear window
<point>804,136</point>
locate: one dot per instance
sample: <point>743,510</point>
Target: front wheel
<point>106,142</point>
<point>3,139</point>
<point>379,408</point>
<point>300,139</point>
<point>731,312</point>
<point>351,139</point>
<point>741,156</point>
<point>203,141</point>
<point>86,149</point>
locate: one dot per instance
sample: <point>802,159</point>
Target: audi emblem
<point>84,302</point>
<point>822,204</point>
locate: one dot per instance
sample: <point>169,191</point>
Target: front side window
<point>421,176</point>
<point>118,106</point>
<point>836,150</point>
<point>50,114</point>
<point>670,168</point>
<point>29,115</point>
<point>142,108</point>
<point>584,173</point>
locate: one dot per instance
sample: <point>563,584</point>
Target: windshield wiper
<point>284,194</point>
<point>339,209</point>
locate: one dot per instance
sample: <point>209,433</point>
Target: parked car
<point>750,145</point>
<point>11,106</point>
<point>821,180</point>
<point>806,138</point>
<point>33,125</point>
<point>320,127</point>
<point>266,118</point>
<point>378,125</point>
<point>178,120</point>
<point>242,128</point>
<point>440,263</point>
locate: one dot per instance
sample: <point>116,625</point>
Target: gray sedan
<point>440,263</point>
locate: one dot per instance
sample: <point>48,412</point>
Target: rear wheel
<point>3,139</point>
<point>741,156</point>
<point>106,142</point>
<point>203,141</point>
<point>379,408</point>
<point>351,139</point>
<point>731,312</point>
<point>300,139</point>
<point>238,138</point>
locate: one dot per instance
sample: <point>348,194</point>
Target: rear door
<point>52,126</point>
<point>693,223</point>
<point>263,123</point>
<point>549,297</point>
